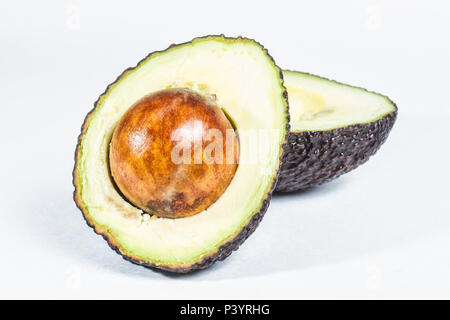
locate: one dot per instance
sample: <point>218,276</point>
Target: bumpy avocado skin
<point>315,157</point>
<point>226,248</point>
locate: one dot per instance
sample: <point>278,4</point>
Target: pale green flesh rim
<point>355,105</point>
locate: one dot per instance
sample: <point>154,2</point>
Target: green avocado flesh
<point>319,104</point>
<point>247,85</point>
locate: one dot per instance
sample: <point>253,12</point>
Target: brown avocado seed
<point>173,153</point>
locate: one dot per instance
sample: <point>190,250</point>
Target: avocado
<point>124,143</point>
<point>334,129</point>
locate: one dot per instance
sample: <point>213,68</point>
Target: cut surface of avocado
<point>318,104</point>
<point>334,129</point>
<point>247,85</point>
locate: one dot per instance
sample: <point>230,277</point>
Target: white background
<point>382,231</point>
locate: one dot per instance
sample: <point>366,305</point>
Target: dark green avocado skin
<point>315,157</point>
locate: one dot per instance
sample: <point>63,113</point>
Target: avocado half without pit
<point>334,129</point>
<point>159,171</point>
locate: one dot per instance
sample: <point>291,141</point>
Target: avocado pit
<point>173,153</point>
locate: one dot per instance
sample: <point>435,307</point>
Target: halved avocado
<point>334,128</point>
<point>245,82</point>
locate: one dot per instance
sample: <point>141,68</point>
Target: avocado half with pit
<point>334,129</point>
<point>141,179</point>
